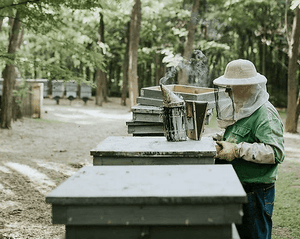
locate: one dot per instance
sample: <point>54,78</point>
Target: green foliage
<point>61,38</point>
<point>20,92</point>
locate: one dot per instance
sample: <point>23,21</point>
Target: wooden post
<point>37,99</point>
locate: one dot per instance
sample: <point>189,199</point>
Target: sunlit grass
<point>286,216</point>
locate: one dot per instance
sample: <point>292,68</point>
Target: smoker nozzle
<point>169,98</point>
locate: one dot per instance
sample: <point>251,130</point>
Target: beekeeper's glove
<point>218,136</point>
<point>227,151</point>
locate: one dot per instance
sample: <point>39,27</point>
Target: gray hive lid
<point>156,185</point>
<point>118,146</point>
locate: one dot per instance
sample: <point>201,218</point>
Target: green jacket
<point>263,126</point>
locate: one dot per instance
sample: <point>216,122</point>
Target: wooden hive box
<point>153,96</point>
<point>137,128</point>
<point>147,117</point>
<point>146,121</point>
<point>145,113</point>
<point>161,202</point>
<point>71,90</point>
<point>57,88</point>
<point>85,91</point>
<point>118,150</point>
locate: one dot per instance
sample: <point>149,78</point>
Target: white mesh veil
<point>237,102</point>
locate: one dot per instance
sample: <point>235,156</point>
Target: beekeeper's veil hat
<point>239,92</point>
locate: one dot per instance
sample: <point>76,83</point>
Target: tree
<point>101,78</point>
<point>292,113</point>
<point>1,22</point>
<point>183,76</point>
<point>125,68</point>
<point>43,18</point>
<point>135,27</point>
<point>9,75</point>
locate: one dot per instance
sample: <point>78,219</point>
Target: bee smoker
<point>173,115</point>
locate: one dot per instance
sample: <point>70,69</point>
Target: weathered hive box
<point>118,150</point>
<point>161,202</point>
<point>57,88</point>
<point>146,121</point>
<point>137,128</point>
<point>147,115</point>
<point>153,96</point>
<point>144,113</point>
<point>71,90</point>
<point>85,91</point>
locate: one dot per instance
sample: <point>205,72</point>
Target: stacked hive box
<point>147,114</point>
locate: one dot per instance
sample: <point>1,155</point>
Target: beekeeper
<point>252,142</point>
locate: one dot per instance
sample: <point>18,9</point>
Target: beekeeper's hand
<point>227,151</point>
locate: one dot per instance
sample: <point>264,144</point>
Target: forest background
<point>120,46</point>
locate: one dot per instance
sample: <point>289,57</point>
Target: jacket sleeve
<point>256,153</point>
<point>269,146</point>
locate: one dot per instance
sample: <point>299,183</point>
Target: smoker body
<point>174,123</point>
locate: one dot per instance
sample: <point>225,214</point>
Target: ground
<point>37,155</point>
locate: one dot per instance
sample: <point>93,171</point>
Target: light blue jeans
<point>257,219</point>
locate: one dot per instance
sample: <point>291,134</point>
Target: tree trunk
<point>183,77</point>
<point>125,67</point>
<point>10,77</point>
<point>148,77</point>
<point>297,110</point>
<point>1,22</point>
<point>160,68</point>
<point>101,78</point>
<point>135,27</point>
<point>21,38</point>
<point>291,114</point>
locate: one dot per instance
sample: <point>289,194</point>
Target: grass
<point>286,217</point>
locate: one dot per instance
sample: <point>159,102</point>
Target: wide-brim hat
<point>240,72</point>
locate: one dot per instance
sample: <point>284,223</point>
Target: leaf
<point>172,60</point>
<point>295,3</point>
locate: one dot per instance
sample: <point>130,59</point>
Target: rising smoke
<point>196,68</point>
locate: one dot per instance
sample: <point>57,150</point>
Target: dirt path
<point>38,155</point>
